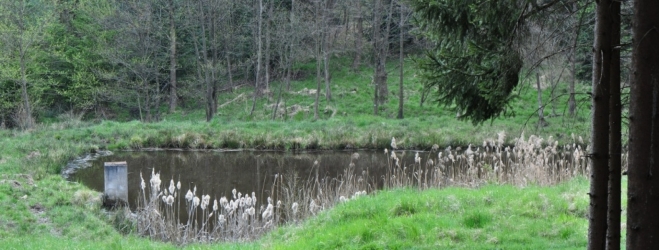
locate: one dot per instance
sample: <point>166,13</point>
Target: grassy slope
<point>39,209</point>
<point>493,216</point>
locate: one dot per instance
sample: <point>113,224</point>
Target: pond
<point>275,188</point>
<point>217,173</point>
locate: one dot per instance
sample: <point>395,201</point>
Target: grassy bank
<point>493,216</point>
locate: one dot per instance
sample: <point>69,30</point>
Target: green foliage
<point>473,67</point>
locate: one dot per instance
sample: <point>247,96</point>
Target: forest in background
<point>104,58</point>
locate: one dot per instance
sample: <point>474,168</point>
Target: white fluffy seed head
<point>195,202</point>
<point>172,186</point>
<point>215,206</point>
<point>189,195</point>
<point>142,184</point>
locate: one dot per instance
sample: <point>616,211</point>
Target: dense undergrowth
<point>39,209</point>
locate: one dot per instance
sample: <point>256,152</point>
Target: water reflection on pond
<point>217,173</point>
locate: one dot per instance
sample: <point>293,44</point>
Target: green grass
<point>490,217</point>
<point>38,209</point>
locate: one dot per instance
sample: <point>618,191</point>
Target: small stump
<point>116,184</point>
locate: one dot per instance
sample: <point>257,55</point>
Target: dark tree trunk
<point>599,154</point>
<point>643,188</point>
<point>613,231</point>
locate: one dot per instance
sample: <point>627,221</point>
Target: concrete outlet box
<point>116,184</point>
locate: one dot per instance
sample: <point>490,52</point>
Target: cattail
<point>170,200</point>
<point>393,143</point>
<point>171,186</point>
<point>155,180</point>
<point>251,211</point>
<point>189,195</point>
<point>234,193</point>
<point>178,185</point>
<point>267,214</point>
<point>435,147</point>
<point>278,203</point>
<point>269,200</point>
<point>195,202</point>
<point>468,151</point>
<point>221,219</point>
<point>386,152</point>
<point>205,201</point>
<point>417,158</point>
<point>143,184</point>
<point>355,156</point>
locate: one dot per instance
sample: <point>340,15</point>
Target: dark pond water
<point>217,173</point>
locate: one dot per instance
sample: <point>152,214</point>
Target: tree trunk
<point>643,188</point>
<point>599,155</point>
<point>326,48</point>
<point>27,110</point>
<point>206,67</point>
<point>613,231</point>
<point>173,99</point>
<point>356,62</point>
<point>258,56</point>
<point>319,38</point>
<point>377,41</point>
<point>400,63</point>
<point>381,76</point>
<point>268,26</point>
<point>541,109</point>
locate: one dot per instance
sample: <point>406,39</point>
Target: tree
<point>599,154</point>
<point>401,56</point>
<point>259,54</point>
<point>474,64</point>
<point>23,24</point>
<point>615,147</point>
<point>381,51</point>
<point>643,188</point>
